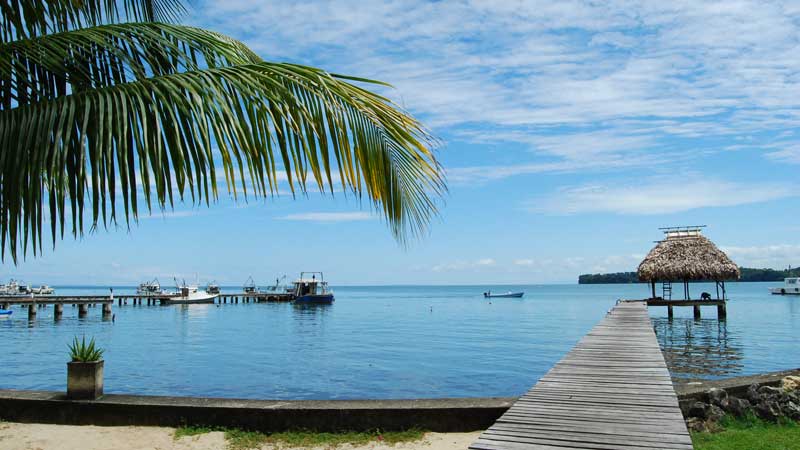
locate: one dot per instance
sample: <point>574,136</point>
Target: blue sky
<point>571,131</point>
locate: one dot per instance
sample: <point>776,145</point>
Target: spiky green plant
<point>80,351</point>
<point>102,98</point>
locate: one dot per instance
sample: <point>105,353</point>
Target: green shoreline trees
<point>748,274</point>
<point>109,105</point>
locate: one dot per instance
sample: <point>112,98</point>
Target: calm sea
<point>385,342</point>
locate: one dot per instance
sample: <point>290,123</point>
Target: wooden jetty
<point>611,391</point>
<point>84,302</point>
<point>721,304</point>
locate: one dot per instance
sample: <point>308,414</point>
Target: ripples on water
<point>385,342</point>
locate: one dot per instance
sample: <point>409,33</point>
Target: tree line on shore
<point>748,274</point>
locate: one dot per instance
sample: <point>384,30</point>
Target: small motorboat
<point>6,312</point>
<point>505,295</point>
<point>791,286</point>
<point>43,290</point>
<point>313,290</point>
<point>187,295</point>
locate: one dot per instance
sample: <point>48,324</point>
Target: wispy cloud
<point>658,196</point>
<point>458,266</point>
<point>329,217</point>
<point>605,83</point>
<point>775,256</point>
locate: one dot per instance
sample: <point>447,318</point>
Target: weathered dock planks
<point>611,391</point>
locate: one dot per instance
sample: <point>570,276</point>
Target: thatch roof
<point>694,258</point>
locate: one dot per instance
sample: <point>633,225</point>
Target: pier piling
<point>670,313</point>
<point>697,311</point>
<point>82,310</point>
<point>32,311</point>
<point>106,309</point>
<point>58,311</point>
<point>722,311</point>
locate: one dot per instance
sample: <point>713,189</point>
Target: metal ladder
<point>666,290</point>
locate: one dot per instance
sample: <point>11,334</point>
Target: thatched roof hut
<point>687,255</point>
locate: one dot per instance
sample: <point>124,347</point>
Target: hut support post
<point>722,311</point>
<point>669,312</point>
<point>696,311</point>
<point>685,290</point>
<point>653,285</point>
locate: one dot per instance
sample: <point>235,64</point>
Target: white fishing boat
<point>250,286</point>
<point>43,290</point>
<point>791,286</point>
<point>150,288</point>
<point>15,287</point>
<point>187,294</point>
<point>212,288</point>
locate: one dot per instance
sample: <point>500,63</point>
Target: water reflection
<point>698,349</point>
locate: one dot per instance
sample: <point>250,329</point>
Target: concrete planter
<point>85,380</point>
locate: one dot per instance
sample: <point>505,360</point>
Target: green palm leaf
<point>23,19</point>
<point>96,117</point>
<point>52,65</point>
<point>261,117</point>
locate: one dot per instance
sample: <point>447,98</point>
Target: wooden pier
<point>611,391</point>
<point>84,302</point>
<point>721,304</point>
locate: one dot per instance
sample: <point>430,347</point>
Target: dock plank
<point>611,391</point>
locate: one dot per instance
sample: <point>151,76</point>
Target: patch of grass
<point>243,440</point>
<point>193,431</point>
<point>750,433</point>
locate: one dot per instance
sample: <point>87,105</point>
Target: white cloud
<point>774,256</point>
<point>329,217</point>
<point>658,196</point>
<point>457,266</point>
<point>605,83</point>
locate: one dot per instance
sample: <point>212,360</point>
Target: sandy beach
<point>24,436</point>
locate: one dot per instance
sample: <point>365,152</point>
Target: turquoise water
<point>385,342</point>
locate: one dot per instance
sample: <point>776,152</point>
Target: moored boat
<point>43,290</point>
<point>313,290</point>
<point>187,295</point>
<point>6,312</point>
<point>212,288</point>
<point>250,286</point>
<point>150,288</point>
<point>15,287</point>
<point>509,294</point>
<point>791,286</point>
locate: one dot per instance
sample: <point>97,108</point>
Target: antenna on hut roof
<point>684,231</point>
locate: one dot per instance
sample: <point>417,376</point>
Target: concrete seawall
<point>441,415</point>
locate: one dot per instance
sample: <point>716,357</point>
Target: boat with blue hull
<point>5,312</point>
<point>312,290</point>
<point>504,295</point>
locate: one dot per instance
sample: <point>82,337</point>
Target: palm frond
<point>261,118</point>
<point>46,67</point>
<point>23,19</point>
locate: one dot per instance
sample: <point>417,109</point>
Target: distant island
<point>748,274</point>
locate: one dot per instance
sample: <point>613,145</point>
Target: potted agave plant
<point>85,370</point>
